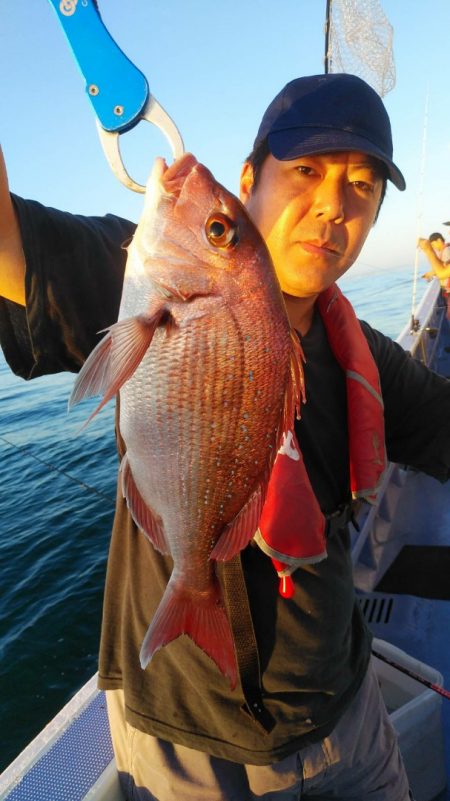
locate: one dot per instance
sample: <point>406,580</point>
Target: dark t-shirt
<point>313,648</point>
<point>73,284</point>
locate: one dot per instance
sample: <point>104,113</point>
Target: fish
<point>209,376</point>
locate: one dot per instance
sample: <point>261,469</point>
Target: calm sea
<point>56,510</point>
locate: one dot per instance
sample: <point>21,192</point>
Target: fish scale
<point>178,480</point>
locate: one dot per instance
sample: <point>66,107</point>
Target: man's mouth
<point>320,247</point>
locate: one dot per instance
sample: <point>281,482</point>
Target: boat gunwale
<point>47,737</point>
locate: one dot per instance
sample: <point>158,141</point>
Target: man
<point>307,719</point>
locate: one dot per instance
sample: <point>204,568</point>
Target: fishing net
<point>359,41</point>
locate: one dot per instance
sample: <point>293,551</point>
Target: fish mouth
<point>172,178</point>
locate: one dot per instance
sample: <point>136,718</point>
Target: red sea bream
<point>209,376</point>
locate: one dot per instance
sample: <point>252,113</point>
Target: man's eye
<point>364,186</point>
<point>303,169</point>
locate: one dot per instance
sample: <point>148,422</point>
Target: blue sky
<point>215,67</point>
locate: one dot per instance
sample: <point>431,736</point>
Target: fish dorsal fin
<point>295,392</point>
<point>242,529</point>
<point>144,517</point>
<point>115,358</point>
<point>237,534</point>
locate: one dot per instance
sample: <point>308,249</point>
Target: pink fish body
<point>209,376</point>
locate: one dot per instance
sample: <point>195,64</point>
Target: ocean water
<point>56,510</point>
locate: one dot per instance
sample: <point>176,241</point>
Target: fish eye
<point>221,231</point>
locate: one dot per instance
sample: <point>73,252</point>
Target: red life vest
<point>292,527</point>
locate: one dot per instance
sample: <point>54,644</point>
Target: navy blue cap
<point>325,114</point>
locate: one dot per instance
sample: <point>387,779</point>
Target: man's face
<point>315,213</point>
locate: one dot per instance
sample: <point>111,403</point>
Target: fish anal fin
<point>115,358</point>
<point>241,530</point>
<point>203,619</point>
<point>144,517</point>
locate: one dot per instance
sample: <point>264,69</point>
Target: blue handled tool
<point>119,92</point>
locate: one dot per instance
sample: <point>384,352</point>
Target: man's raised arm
<point>12,260</point>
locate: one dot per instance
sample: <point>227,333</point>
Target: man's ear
<point>246,182</point>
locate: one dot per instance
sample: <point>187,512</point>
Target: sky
<point>215,67</point>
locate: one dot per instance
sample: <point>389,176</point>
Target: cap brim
<point>291,143</point>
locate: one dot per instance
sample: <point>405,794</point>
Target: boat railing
<point>421,338</point>
<point>421,335</point>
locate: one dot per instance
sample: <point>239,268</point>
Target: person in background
<point>317,727</point>
<point>438,254</point>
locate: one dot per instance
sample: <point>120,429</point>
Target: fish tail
<point>203,619</point>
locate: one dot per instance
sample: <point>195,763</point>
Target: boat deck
<point>402,570</point>
<point>409,605</point>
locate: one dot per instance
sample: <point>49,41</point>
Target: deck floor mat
<point>422,570</point>
<point>73,763</point>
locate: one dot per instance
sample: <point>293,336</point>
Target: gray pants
<point>360,760</point>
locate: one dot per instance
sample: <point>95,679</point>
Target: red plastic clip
<point>286,587</point>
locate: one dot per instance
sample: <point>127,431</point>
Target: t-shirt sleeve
<point>416,404</point>
<point>73,285</point>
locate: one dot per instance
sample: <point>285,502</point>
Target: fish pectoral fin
<point>203,619</point>
<point>115,358</point>
<point>144,517</point>
<point>237,534</point>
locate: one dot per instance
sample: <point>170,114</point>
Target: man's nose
<point>329,204</point>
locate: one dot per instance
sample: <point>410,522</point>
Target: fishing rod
<point>415,324</point>
<point>412,675</point>
<point>53,467</point>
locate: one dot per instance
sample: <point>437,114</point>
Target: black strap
<point>338,519</point>
<point>238,608</point>
<point>239,614</point>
